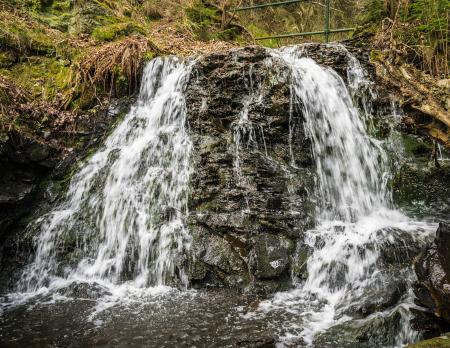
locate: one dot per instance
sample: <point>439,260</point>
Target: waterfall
<point>355,216</point>
<point>121,228</point>
<point>123,218</point>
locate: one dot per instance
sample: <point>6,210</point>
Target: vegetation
<point>419,29</point>
<point>65,59</point>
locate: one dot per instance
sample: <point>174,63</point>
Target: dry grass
<point>181,42</point>
<point>102,65</point>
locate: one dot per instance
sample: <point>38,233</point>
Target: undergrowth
<point>417,29</point>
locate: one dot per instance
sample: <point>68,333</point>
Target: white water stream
<point>124,214</point>
<point>355,216</point>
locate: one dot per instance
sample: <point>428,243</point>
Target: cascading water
<point>123,219</point>
<point>245,133</point>
<point>354,211</point>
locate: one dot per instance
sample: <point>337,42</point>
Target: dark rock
<point>378,297</point>
<point>257,342</point>
<point>433,278</point>
<point>377,331</point>
<point>399,247</point>
<point>269,256</point>
<point>442,242</point>
<point>428,324</point>
<point>422,189</point>
<point>256,197</point>
<point>21,165</point>
<point>299,261</point>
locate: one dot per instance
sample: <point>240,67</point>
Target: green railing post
<point>309,33</point>
<point>327,21</point>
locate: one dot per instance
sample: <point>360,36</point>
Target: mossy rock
<point>376,331</point>
<point>437,342</point>
<point>415,146</point>
<point>422,188</point>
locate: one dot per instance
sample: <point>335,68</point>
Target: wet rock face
<point>433,272</point>
<point>249,200</point>
<point>269,257</point>
<point>23,163</point>
<point>252,176</point>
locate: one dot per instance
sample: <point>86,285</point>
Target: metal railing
<point>326,32</point>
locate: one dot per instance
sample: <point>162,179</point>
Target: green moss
<point>259,32</point>
<point>25,35</point>
<point>202,13</point>
<point>229,34</point>
<point>376,56</point>
<point>416,147</point>
<point>121,82</point>
<point>202,20</point>
<point>56,14</point>
<point>437,342</point>
<point>43,77</point>
<point>89,16</point>
<point>148,56</point>
<point>205,21</point>
<point>113,31</point>
<point>6,59</point>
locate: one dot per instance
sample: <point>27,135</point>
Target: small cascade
<point>123,219</point>
<point>355,216</point>
<point>441,155</point>
<point>246,133</point>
